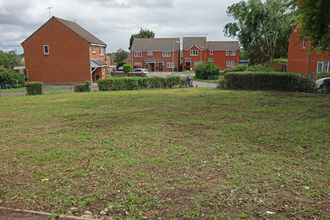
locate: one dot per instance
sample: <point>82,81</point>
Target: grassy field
<point>194,153</point>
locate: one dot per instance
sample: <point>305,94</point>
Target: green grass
<point>194,153</point>
<point>206,80</point>
<point>23,89</point>
<point>188,72</point>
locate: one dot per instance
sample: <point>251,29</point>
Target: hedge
<point>12,78</point>
<point>267,81</point>
<point>135,83</point>
<point>327,85</point>
<point>34,88</point>
<point>83,87</point>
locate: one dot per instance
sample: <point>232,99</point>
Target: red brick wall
<point>219,58</point>
<point>98,72</point>
<point>299,61</point>
<point>68,59</point>
<point>158,55</point>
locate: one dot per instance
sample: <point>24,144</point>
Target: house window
<point>138,54</point>
<point>233,53</point>
<point>323,67</point>
<point>304,44</point>
<point>103,70</point>
<point>230,63</point>
<point>93,48</point>
<point>194,53</point>
<point>149,53</point>
<point>138,63</point>
<point>101,50</point>
<point>197,63</point>
<point>46,49</point>
<point>170,65</point>
<point>227,52</point>
<point>211,52</point>
<point>166,53</point>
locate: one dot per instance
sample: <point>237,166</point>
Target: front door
<point>152,67</point>
<point>160,66</point>
<point>188,66</point>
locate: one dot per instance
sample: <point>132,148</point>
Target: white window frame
<point>197,62</point>
<point>325,65</point>
<point>230,63</point>
<point>103,70</point>
<point>149,53</point>
<point>211,52</point>
<point>101,50</point>
<point>170,65</point>
<point>227,53</point>
<point>317,68</point>
<point>232,53</point>
<point>304,43</point>
<point>194,53</point>
<point>166,53</point>
<point>93,49</point>
<point>137,54</point>
<point>46,52</point>
<point>138,63</point>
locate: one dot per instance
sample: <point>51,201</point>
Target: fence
<point>20,90</point>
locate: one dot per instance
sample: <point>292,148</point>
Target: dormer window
<point>101,51</point>
<point>46,50</point>
<point>93,48</point>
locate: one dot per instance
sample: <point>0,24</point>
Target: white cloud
<point>113,21</point>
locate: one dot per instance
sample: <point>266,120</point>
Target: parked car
<point>140,70</point>
<point>120,68</point>
<point>189,78</point>
<point>320,83</point>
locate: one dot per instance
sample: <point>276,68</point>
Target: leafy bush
<point>322,75</point>
<point>34,88</point>
<point>127,68</point>
<point>246,68</point>
<point>134,83</point>
<point>280,60</point>
<point>267,81</point>
<point>12,78</point>
<point>208,69</point>
<point>83,87</point>
<point>327,85</point>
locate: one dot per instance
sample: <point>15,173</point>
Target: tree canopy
<point>141,34</point>
<point>9,59</point>
<point>121,56</point>
<point>313,18</point>
<point>262,28</point>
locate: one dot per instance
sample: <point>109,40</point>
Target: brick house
<point>223,54</point>
<point>157,52</point>
<point>61,51</point>
<point>113,56</point>
<point>302,62</point>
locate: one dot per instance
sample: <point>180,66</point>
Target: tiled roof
<point>80,31</point>
<point>98,62</point>
<point>223,45</point>
<point>190,41</point>
<point>155,44</point>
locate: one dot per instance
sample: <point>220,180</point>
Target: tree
<point>108,54</point>
<point>313,18</point>
<point>8,59</point>
<point>261,28</point>
<point>141,34</point>
<point>121,56</point>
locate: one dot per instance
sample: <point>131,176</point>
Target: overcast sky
<point>114,21</point>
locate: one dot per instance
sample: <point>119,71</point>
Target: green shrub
<point>127,68</point>
<point>327,85</point>
<point>83,87</point>
<point>34,88</point>
<point>203,71</point>
<point>266,81</point>
<point>246,68</point>
<point>280,60</point>
<point>134,83</point>
<point>12,78</point>
<point>322,75</point>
